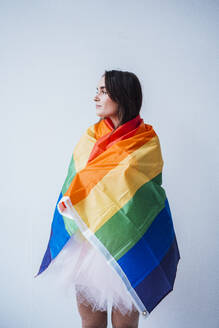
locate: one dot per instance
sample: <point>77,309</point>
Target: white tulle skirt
<point>83,269</point>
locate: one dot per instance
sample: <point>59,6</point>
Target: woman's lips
<point>98,106</point>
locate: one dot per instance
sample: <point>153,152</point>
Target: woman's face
<point>105,106</point>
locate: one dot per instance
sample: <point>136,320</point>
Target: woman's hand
<point>62,206</point>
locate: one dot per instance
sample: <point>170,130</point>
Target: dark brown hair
<point>125,89</point>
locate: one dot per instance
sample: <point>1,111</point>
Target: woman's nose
<point>96,97</point>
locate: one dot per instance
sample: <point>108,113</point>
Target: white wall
<point>52,56</point>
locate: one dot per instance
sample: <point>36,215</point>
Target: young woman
<point>118,98</point>
<point>112,224</point>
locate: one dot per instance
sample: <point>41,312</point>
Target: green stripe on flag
<point>70,225</point>
<point>131,222</point>
<point>71,173</point>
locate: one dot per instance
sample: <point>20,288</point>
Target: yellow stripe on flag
<point>83,148</point>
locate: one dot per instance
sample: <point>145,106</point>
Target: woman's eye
<point>104,92</point>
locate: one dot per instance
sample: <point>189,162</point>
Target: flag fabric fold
<point>113,193</point>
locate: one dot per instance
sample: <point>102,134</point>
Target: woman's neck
<point>115,121</point>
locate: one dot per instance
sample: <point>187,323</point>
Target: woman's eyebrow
<point>102,87</point>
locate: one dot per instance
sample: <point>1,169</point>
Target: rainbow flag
<point>113,193</point>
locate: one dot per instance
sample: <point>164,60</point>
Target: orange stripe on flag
<point>96,169</point>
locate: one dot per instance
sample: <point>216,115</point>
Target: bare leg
<point>89,318</point>
<point>130,320</point>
